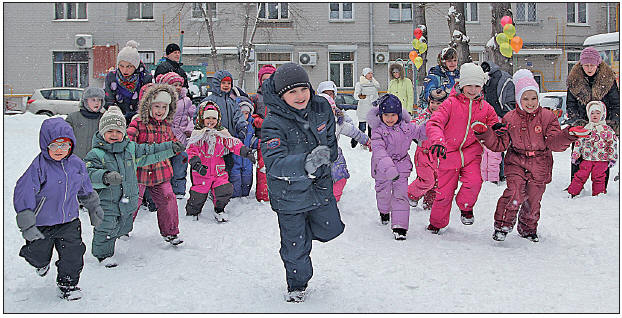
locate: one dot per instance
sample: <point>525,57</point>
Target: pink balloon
<point>505,20</point>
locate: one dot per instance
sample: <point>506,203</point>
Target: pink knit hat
<point>266,69</point>
<point>523,81</point>
<point>169,78</point>
<point>589,55</point>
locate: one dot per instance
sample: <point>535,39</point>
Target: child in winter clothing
<point>450,131</point>
<point>46,200</point>
<point>427,166</point>
<point>529,133</point>
<point>343,126</point>
<point>206,148</point>
<point>155,112</point>
<point>443,75</point>
<point>599,151</point>
<point>366,92</point>
<point>298,143</point>
<point>241,175</point>
<point>86,121</point>
<point>182,128</point>
<point>117,183</point>
<point>391,136</point>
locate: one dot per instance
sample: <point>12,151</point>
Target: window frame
<point>341,11</point>
<point>80,68</point>
<point>401,9</point>
<point>353,62</point>
<point>266,18</point>
<point>214,11</point>
<point>140,12</point>
<point>467,12</point>
<point>571,63</point>
<point>65,4</point>
<point>576,14</point>
<point>526,11</point>
<point>276,63</point>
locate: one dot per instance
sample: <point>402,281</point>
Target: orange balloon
<point>413,55</point>
<point>516,43</point>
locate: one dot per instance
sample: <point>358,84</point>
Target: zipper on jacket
<point>66,184</point>
<point>466,134</point>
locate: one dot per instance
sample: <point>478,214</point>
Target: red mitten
<point>479,127</point>
<point>579,131</point>
<point>257,121</point>
<point>132,132</point>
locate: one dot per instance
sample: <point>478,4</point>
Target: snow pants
<point>168,218</point>
<point>471,178</point>
<point>115,225</point>
<point>523,193</point>
<point>221,195</point>
<point>180,171</point>
<point>490,165</point>
<point>426,176</point>
<point>392,197</point>
<point>261,191</point>
<point>598,170</point>
<point>338,188</point>
<point>297,232</point>
<point>242,180</point>
<point>67,240</point>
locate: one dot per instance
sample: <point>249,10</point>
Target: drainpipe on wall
<point>371,35</point>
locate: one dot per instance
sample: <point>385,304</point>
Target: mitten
<point>479,127</point>
<point>195,164</point>
<point>257,121</point>
<point>178,147</point>
<point>440,150</point>
<point>319,156</point>
<point>248,153</point>
<point>579,131</point>
<point>26,222</point>
<point>97,216</point>
<point>132,131</point>
<point>112,178</point>
<point>500,129</point>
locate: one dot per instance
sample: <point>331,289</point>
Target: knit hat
<point>266,69</point>
<point>438,95</point>
<point>91,92</point>
<point>589,55</point>
<point>366,71</point>
<point>389,104</point>
<point>169,78</point>
<point>288,76</point>
<point>245,104</point>
<point>523,81</point>
<point>129,54</point>
<point>326,86</point>
<point>172,48</point>
<point>472,74</point>
<point>112,119</point>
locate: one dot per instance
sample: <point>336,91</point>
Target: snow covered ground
<point>235,267</point>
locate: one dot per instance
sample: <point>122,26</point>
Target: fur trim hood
<point>144,105</point>
<point>579,86</point>
<point>399,67</point>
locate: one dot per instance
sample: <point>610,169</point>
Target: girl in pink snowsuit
<point>450,132</point>
<point>206,147</point>
<point>392,134</point>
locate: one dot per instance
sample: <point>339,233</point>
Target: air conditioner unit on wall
<point>84,41</point>
<point>307,58</point>
<point>249,66</point>
<point>381,57</point>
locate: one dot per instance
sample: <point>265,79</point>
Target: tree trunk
<point>247,46</point>
<point>210,31</point>
<point>498,10</point>
<point>457,31</point>
<point>419,16</point>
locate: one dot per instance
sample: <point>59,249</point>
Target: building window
<point>573,58</point>
<point>470,11</point>
<point>576,13</point>
<point>274,59</point>
<point>70,11</point>
<point>273,11</point>
<point>339,11</point>
<point>147,57</point>
<point>140,11</point>
<point>341,68</point>
<point>525,12</point>
<point>400,12</point>
<point>71,69</point>
<point>199,7</point>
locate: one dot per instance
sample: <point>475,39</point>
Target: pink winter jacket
<point>182,122</point>
<point>450,126</point>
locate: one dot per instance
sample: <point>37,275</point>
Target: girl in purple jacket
<point>46,201</point>
<point>392,133</point>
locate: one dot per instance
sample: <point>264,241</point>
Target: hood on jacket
<point>92,92</point>
<point>578,83</point>
<point>206,105</point>
<point>144,105</point>
<point>245,101</point>
<point>218,76</point>
<point>399,67</point>
<point>51,129</point>
<point>374,121</point>
<point>266,69</point>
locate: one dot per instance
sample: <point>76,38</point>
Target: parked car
<point>346,101</point>
<point>55,101</point>
<point>555,101</point>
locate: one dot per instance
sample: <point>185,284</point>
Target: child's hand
<point>479,127</point>
<point>319,156</point>
<point>500,129</point>
<point>440,151</point>
<point>188,133</point>
<point>579,131</point>
<point>248,153</point>
<point>195,164</point>
<point>178,147</point>
<point>26,222</point>
<point>258,121</point>
<point>97,216</point>
<point>368,145</point>
<point>112,178</point>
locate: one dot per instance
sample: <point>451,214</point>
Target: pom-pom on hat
<point>112,119</point>
<point>523,81</point>
<point>288,76</point>
<point>472,74</point>
<point>129,54</point>
<point>589,55</point>
<point>169,78</point>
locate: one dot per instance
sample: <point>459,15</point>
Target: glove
<point>319,156</point>
<point>26,222</point>
<point>440,151</point>
<point>195,164</point>
<point>178,147</point>
<point>112,178</point>
<point>188,133</point>
<point>368,145</point>
<point>578,131</point>
<point>479,127</point>
<point>500,129</point>
<point>97,216</point>
<point>248,153</point>
<point>257,121</point>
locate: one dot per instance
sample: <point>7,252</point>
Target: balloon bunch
<point>419,45</point>
<point>506,40</point>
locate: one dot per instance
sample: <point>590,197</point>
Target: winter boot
<point>220,215</point>
<point>385,218</point>
<point>69,292</point>
<point>42,271</point>
<point>108,262</point>
<point>499,235</point>
<point>433,229</point>
<point>295,296</point>
<point>532,237</point>
<point>466,217</point>
<point>173,239</point>
<point>399,234</point>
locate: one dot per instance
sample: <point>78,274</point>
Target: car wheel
<point>45,112</point>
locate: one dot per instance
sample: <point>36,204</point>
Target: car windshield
<point>551,102</point>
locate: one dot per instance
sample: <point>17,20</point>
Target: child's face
<point>297,97</point>
<point>595,116</point>
<point>225,86</point>
<point>59,150</point>
<point>451,64</point>
<point>159,110</point>
<point>330,93</point>
<point>126,68</point>
<point>94,103</point>
<point>245,113</point>
<point>113,135</point>
<point>471,91</point>
<point>390,119</point>
<point>178,87</point>
<point>529,101</point>
<point>264,77</point>
<point>210,122</point>
<point>434,105</point>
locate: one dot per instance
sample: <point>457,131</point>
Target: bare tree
<point>457,30</point>
<point>210,31</point>
<point>499,10</point>
<point>419,15</point>
<point>247,46</point>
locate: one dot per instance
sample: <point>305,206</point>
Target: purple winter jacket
<point>182,122</point>
<point>390,145</point>
<point>60,182</point>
